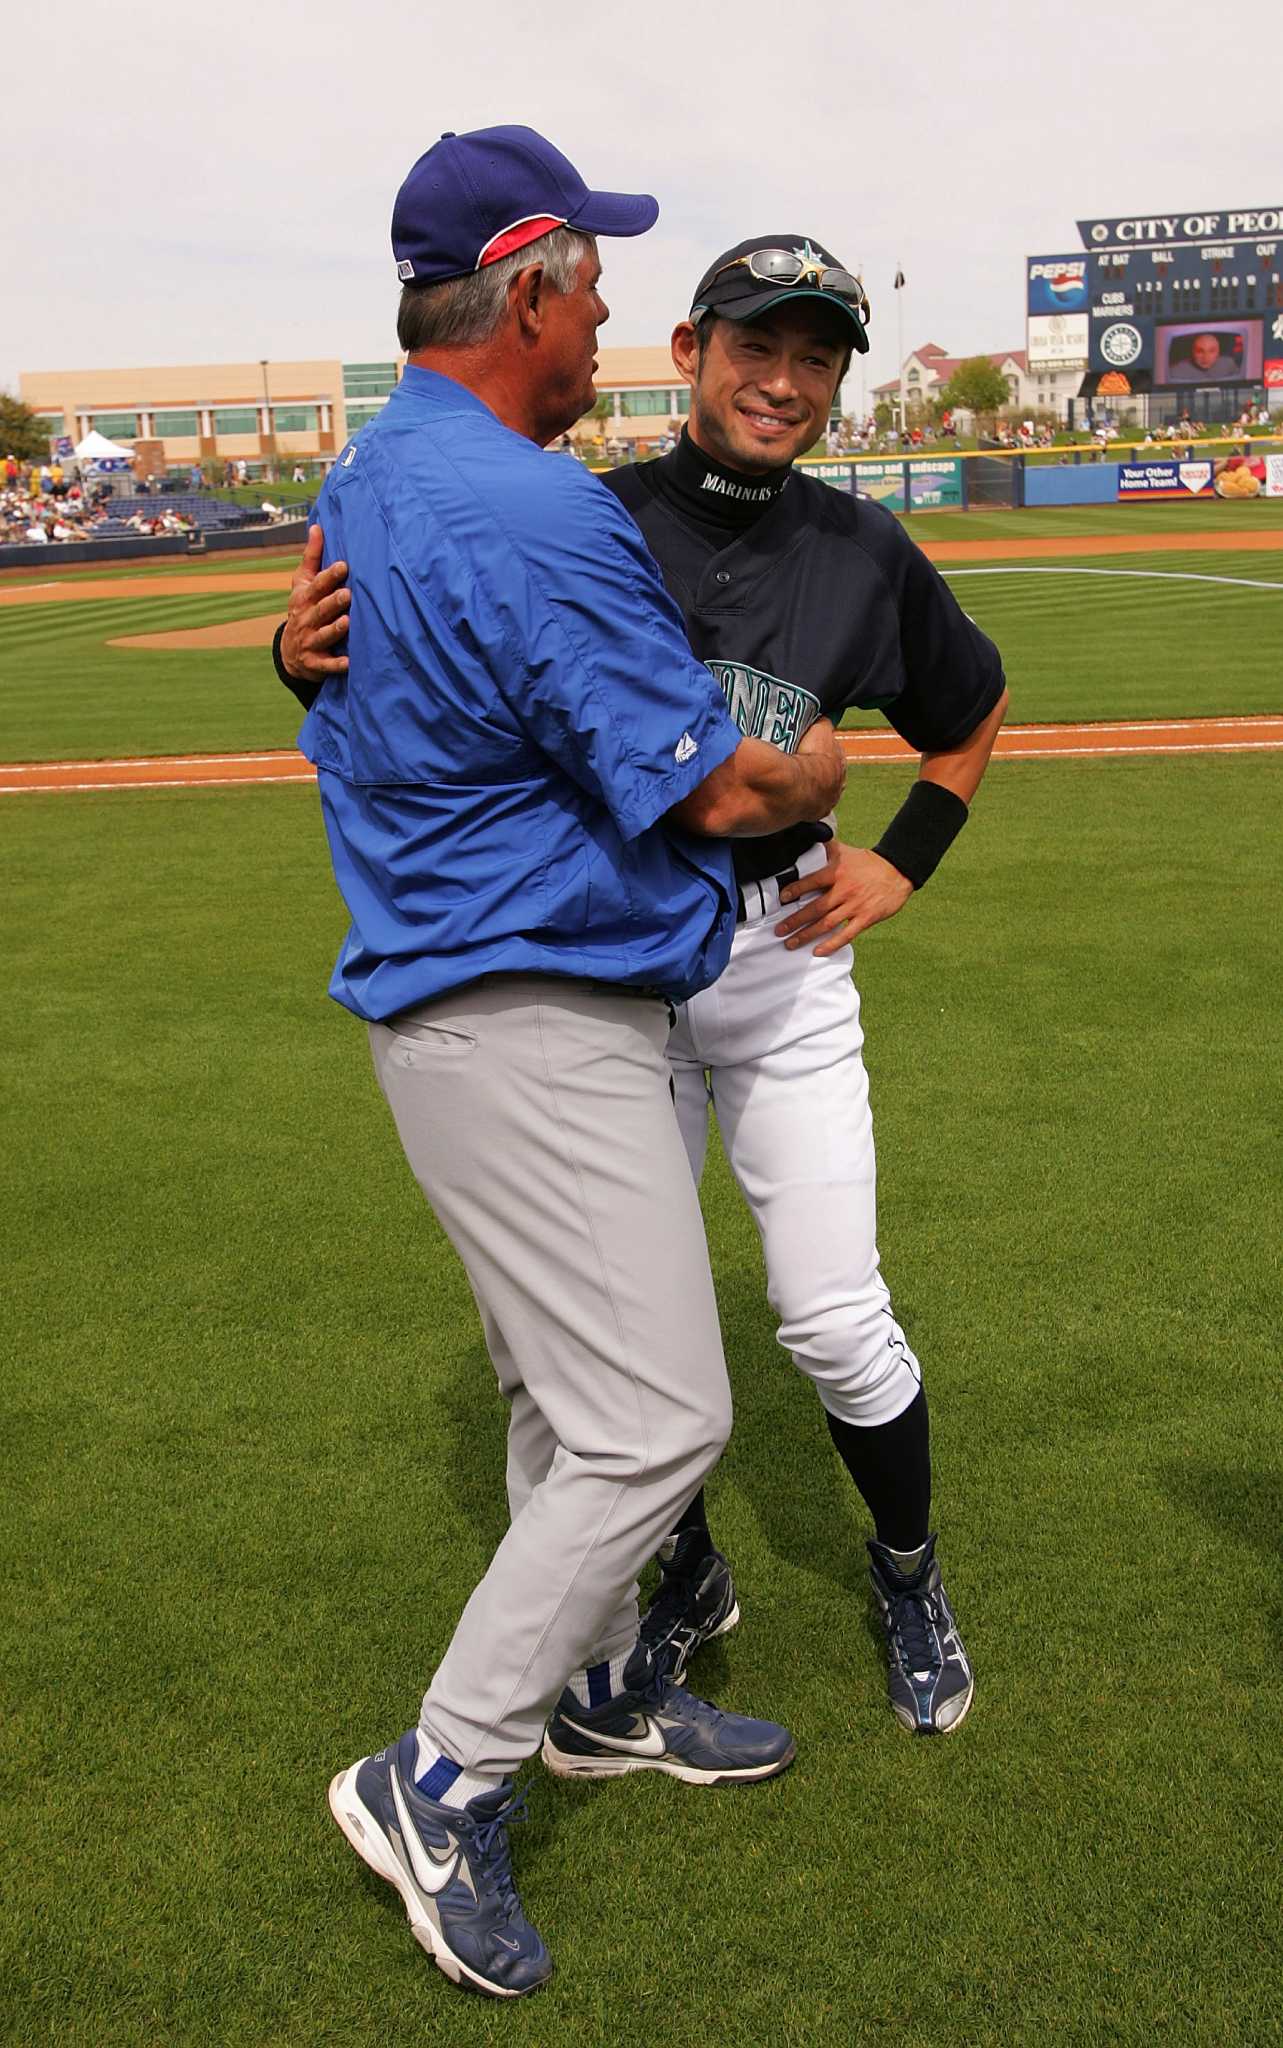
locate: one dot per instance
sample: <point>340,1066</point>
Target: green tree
<point>977,386</point>
<point>22,433</point>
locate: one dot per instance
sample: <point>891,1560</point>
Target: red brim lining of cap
<point>518,236</point>
<point>615,213</point>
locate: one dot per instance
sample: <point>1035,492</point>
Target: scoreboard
<point>1164,303</point>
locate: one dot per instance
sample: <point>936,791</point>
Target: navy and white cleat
<point>451,1866</point>
<point>929,1679</point>
<point>693,1602</point>
<point>655,1725</point>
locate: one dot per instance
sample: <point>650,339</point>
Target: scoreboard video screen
<point>1163,303</point>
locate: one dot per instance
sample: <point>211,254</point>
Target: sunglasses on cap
<point>790,266</point>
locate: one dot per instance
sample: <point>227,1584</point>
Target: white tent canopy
<point>97,450</point>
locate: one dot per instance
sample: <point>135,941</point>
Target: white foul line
<point>145,761</point>
<point>193,782</point>
<point>1143,575</point>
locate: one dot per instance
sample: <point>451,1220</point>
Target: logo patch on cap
<point>405,271</point>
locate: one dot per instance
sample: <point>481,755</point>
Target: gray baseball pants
<point>536,1115</point>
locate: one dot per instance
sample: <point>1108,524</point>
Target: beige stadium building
<point>214,413</point>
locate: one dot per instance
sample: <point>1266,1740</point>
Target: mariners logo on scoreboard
<point>763,707</point>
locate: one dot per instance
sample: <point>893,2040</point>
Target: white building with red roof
<point>928,369</point>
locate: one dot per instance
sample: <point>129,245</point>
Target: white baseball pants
<point>536,1115</point>
<point>776,1045</point>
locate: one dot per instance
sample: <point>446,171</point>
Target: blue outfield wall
<point>1093,483</point>
<point>229,540</point>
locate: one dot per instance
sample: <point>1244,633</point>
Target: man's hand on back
<point>317,618</point>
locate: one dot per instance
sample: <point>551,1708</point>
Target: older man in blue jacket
<point>526,780</point>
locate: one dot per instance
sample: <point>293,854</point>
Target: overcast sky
<point>212,184</point>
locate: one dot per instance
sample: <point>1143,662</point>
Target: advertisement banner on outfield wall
<point>1165,480</point>
<point>936,483</point>
<point>1274,476</point>
<point>836,473</point>
<point>933,482</point>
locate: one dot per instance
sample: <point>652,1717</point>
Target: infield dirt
<point>1015,743</point>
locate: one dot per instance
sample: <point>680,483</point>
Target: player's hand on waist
<point>821,749</point>
<point>317,618</point>
<point>854,889</point>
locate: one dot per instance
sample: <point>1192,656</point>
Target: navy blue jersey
<point>821,603</point>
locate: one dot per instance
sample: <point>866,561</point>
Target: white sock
<point>439,1777</point>
<point>597,1683</point>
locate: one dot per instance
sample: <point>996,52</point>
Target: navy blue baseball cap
<point>765,270</point>
<point>474,198</point>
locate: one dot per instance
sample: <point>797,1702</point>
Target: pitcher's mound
<point>234,633</point>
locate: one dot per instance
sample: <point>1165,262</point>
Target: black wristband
<point>306,692</point>
<point>922,831</point>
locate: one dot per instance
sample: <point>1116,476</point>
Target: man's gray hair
<point>463,311</point>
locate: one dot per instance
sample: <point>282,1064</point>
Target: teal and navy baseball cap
<point>765,270</point>
<point>476,197</point>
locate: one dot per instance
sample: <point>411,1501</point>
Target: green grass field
<point>255,1464</point>
<point>1203,515</point>
<point>255,1454</point>
<point>1132,636</point>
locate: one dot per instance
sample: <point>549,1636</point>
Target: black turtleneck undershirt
<point>717,500</point>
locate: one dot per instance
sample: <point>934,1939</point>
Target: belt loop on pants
<point>755,903</point>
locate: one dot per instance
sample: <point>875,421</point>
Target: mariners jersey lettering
<point>763,707</point>
<point>830,594</point>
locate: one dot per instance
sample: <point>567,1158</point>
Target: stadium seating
<point>205,511</point>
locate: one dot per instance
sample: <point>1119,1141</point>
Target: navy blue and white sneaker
<point>451,1866</point>
<point>655,1725</point>
<point>693,1602</point>
<point>929,1678</point>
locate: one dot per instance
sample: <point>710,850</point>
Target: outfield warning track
<point>1015,743</point>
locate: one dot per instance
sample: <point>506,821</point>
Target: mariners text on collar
<point>748,494</point>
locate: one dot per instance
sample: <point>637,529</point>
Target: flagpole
<point>899,308</point>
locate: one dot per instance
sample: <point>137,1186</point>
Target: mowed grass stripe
<point>238,561</point>
<point>1210,515</point>
<point>66,693</point>
<point>1074,647</point>
<point>256,1458</point>
<point>105,618</point>
<point>1092,647</point>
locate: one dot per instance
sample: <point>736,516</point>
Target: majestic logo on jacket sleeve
<point>763,707</point>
